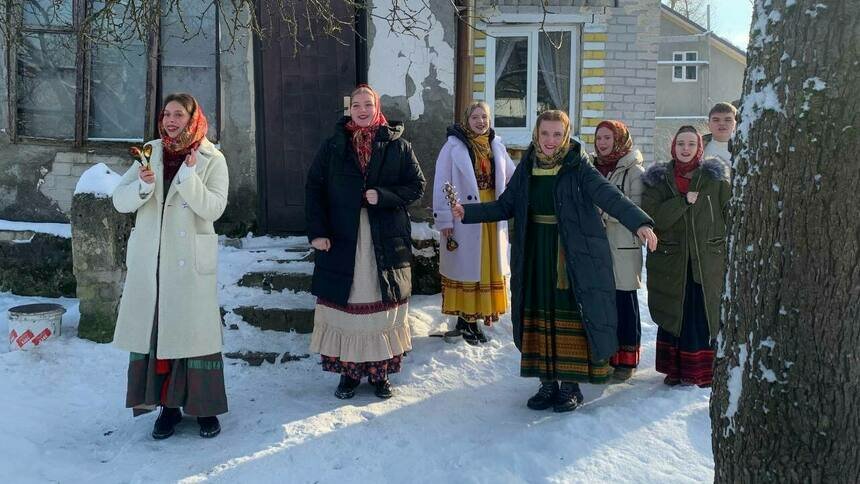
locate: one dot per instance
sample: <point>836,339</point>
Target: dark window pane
<point>46,85</point>
<point>553,71</point>
<point>511,82</point>
<point>691,56</point>
<point>691,73</point>
<point>678,57</point>
<point>117,98</point>
<point>118,80</point>
<point>47,13</point>
<point>679,72</point>
<point>189,55</point>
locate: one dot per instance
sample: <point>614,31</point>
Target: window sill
<point>110,146</point>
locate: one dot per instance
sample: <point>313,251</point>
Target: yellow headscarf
<point>478,143</point>
<point>549,161</point>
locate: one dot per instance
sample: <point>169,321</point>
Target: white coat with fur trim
<point>455,165</point>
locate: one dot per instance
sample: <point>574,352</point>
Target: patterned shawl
<point>190,137</point>
<point>362,137</point>
<point>683,171</point>
<point>622,145</point>
<point>549,161</point>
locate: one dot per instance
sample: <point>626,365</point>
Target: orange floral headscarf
<point>190,137</point>
<point>621,146</point>
<point>623,142</point>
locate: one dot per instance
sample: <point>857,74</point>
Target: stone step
<point>278,319</point>
<point>277,281</point>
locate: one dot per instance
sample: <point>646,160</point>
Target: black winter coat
<point>334,198</point>
<point>578,188</point>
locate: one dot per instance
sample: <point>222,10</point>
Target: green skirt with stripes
<point>194,384</point>
<point>554,344</point>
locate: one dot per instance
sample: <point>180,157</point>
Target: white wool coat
<point>455,166</point>
<point>172,257</point>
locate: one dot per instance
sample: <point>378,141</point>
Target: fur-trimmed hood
<point>710,167</point>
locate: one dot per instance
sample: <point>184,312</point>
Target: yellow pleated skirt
<point>488,298</point>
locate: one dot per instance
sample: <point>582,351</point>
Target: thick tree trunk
<point>785,405</point>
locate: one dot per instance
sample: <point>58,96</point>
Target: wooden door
<point>300,96</point>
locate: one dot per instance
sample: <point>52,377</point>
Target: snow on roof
<point>60,230</point>
<point>98,180</point>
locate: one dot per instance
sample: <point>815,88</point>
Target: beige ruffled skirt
<point>366,329</point>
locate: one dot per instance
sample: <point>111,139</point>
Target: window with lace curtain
<point>529,71</point>
<point>64,91</point>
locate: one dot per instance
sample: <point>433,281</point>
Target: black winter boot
<point>623,373</point>
<point>209,426</point>
<point>545,396</point>
<point>569,397</point>
<point>166,423</point>
<point>346,387</point>
<point>465,329</point>
<point>383,389</point>
<point>479,335</point>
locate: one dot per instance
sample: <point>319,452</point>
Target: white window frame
<point>517,137</point>
<point>685,65</point>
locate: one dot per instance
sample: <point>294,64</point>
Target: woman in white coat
<point>168,316</point>
<point>476,163</point>
<point>617,160</point>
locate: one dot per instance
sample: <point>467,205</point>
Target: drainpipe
<point>465,56</point>
<point>361,51</point>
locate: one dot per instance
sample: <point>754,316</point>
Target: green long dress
<point>554,345</point>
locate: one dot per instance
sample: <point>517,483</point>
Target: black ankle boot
<point>479,335</point>
<point>346,387</point>
<point>465,329</point>
<point>569,397</point>
<point>545,396</point>
<point>166,423</point>
<point>383,389</point>
<point>209,426</point>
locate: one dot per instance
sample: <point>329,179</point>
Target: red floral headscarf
<point>362,137</point>
<point>622,145</point>
<point>190,138</point>
<point>683,171</point>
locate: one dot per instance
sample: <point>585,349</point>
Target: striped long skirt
<point>689,358</point>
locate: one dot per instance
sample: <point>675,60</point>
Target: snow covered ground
<point>459,414</point>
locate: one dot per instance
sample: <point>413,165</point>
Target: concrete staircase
<point>267,280</point>
<point>274,292</point>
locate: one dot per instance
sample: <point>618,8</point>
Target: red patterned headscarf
<point>683,171</point>
<point>622,145</point>
<point>190,138</point>
<point>362,137</point>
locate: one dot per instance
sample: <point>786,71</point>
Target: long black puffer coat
<point>578,188</point>
<point>334,198</point>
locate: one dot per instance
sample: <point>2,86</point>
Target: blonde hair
<point>475,105</point>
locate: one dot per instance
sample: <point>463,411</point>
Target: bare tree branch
<point>695,10</point>
<point>122,22</point>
